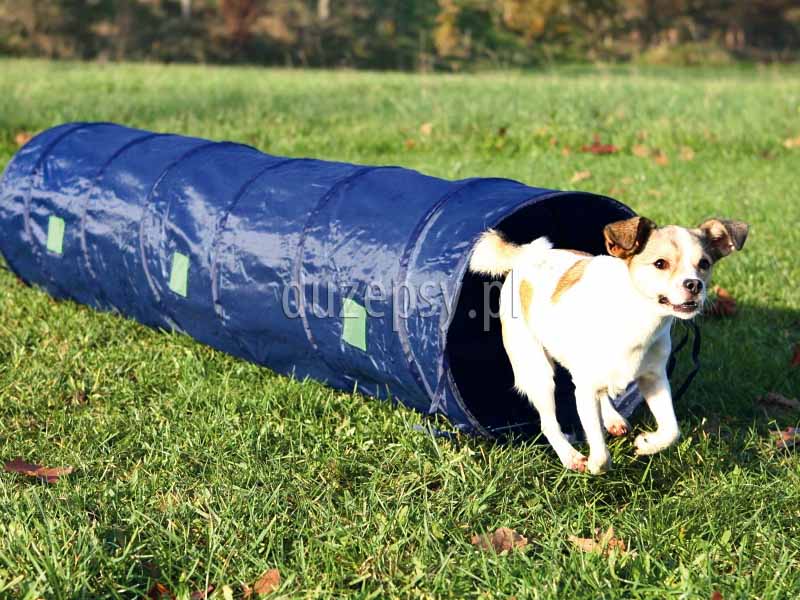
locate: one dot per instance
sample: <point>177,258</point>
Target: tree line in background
<point>403,34</point>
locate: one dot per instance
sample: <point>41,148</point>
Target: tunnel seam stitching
<point>220,227</point>
<point>91,194</point>
<point>298,265</point>
<point>26,228</point>
<point>168,208</point>
<point>26,209</point>
<point>402,324</point>
<point>35,251</point>
<point>145,211</point>
<point>166,220</point>
<point>445,376</point>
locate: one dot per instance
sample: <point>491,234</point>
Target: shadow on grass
<point>743,357</point>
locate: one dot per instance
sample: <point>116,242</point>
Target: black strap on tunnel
<point>691,328</point>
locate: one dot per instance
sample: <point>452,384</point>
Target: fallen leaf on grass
<point>23,137</point>
<point>268,582</point>
<point>716,595</point>
<point>686,153</point>
<point>640,150</point>
<point>660,158</point>
<point>602,543</point>
<point>502,540</point>
<point>788,438</point>
<point>202,594</point>
<point>48,474</point>
<point>158,591</point>
<point>773,399</point>
<point>795,356</point>
<point>580,176</point>
<point>410,144</point>
<point>151,570</point>
<point>565,151</point>
<point>597,147</point>
<point>227,592</point>
<point>791,143</point>
<point>723,305</point>
<point>426,129</point>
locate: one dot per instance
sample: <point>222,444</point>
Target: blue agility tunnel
<point>352,275</point>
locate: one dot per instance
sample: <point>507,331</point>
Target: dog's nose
<point>695,286</point>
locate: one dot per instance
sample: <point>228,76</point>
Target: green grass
<point>194,468</point>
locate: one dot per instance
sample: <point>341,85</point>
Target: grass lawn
<point>195,469</point>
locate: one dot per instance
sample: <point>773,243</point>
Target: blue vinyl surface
<point>255,255</point>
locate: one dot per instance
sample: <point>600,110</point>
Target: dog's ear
<point>724,236</point>
<point>628,237</point>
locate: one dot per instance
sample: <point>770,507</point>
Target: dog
<point>606,319</point>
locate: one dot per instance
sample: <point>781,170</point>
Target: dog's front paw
<point>618,427</point>
<point>650,443</point>
<point>643,445</point>
<point>599,463</point>
<point>574,461</point>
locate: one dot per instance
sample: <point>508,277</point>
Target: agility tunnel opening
<point>352,275</point>
<point>479,367</point>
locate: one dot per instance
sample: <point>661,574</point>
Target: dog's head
<point>672,265</point>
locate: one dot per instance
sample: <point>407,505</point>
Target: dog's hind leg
<point>533,377</point>
<point>615,423</point>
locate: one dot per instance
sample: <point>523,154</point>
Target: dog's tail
<point>494,255</point>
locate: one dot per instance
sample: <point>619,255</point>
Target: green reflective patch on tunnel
<point>354,331</point>
<point>179,278</point>
<point>55,235</point>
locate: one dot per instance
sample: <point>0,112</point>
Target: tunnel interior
<point>478,364</point>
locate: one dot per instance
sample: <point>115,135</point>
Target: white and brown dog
<point>606,319</point>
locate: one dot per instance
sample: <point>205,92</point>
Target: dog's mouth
<point>686,308</point>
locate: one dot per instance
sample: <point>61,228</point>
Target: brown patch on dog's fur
<point>579,253</point>
<point>525,296</point>
<point>722,236</point>
<point>570,277</point>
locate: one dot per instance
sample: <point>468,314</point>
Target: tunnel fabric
<point>279,260</point>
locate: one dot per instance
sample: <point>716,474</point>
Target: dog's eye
<point>703,264</point>
<point>661,264</point>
